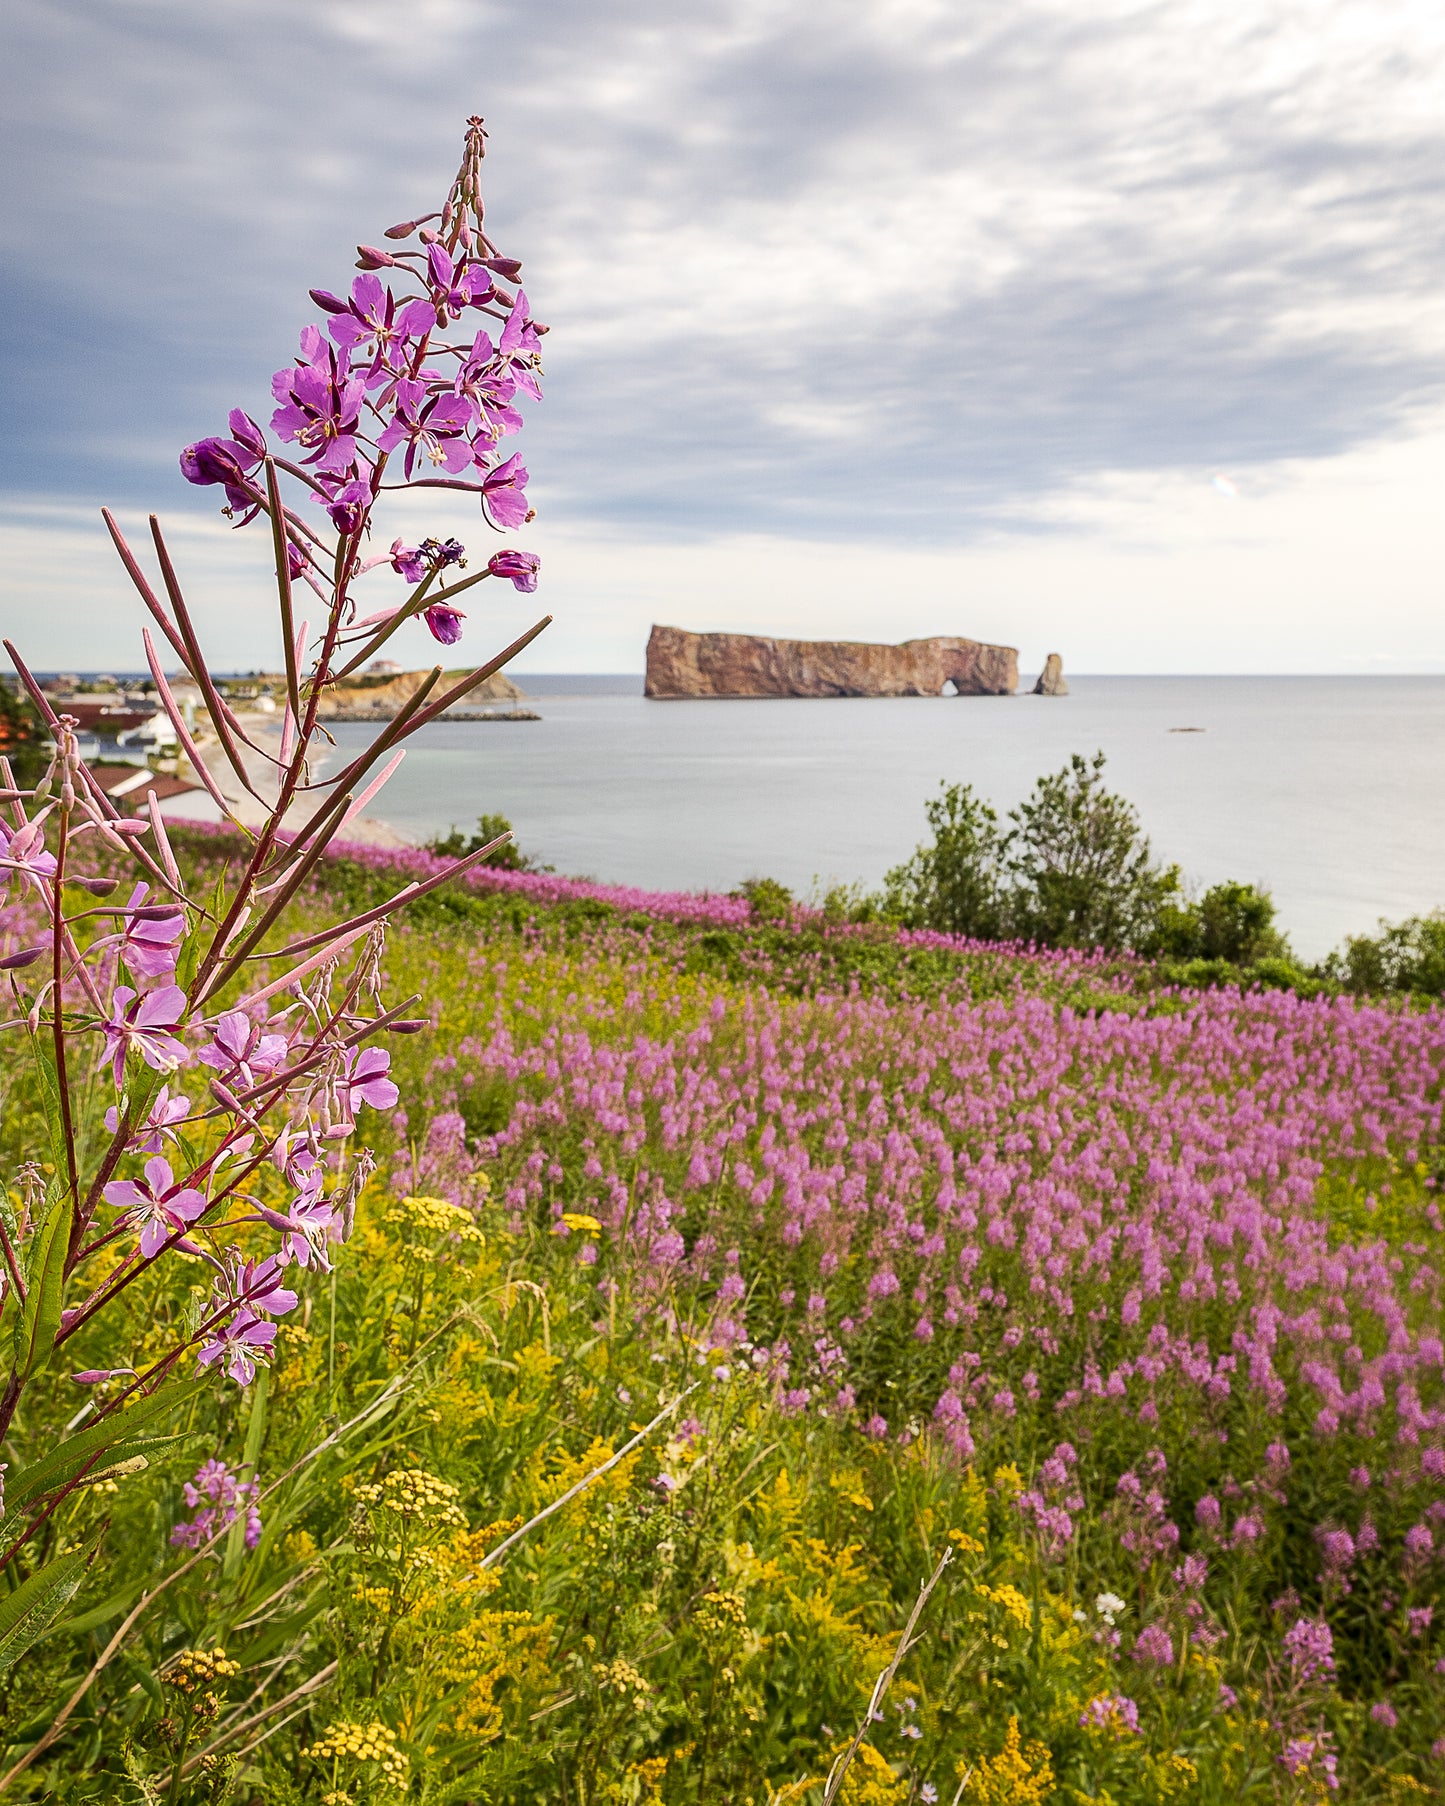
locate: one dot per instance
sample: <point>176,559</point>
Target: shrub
<point>1410,956</point>
<point>955,883</point>
<point>508,858</point>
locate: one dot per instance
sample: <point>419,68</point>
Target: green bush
<point>1073,870</point>
<point>1408,956</point>
<point>1231,922</point>
<point>955,883</point>
<point>509,858</point>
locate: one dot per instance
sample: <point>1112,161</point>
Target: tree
<point>954,882</point>
<point>1079,866</point>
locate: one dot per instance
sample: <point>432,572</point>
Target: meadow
<point>1126,1297</point>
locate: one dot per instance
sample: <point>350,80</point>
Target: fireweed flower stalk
<point>197,1101</point>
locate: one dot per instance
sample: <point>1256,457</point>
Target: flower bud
<point>92,1376</point>
<point>324,299</point>
<point>368,257</point>
<point>14,961</point>
<point>97,887</point>
<point>509,267</point>
<point>407,226</point>
<point>503,299</point>
<point>407,1026</point>
<point>429,237</point>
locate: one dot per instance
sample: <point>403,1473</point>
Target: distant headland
<point>682,664</point>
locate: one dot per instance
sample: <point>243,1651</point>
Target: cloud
<point>854,270</point>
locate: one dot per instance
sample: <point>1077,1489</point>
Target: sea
<point>1328,791</point>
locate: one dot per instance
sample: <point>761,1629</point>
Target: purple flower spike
<point>520,567</point>
<point>444,623</point>
<point>159,1207</point>
<point>148,1025</point>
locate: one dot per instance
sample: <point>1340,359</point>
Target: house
<point>129,787</point>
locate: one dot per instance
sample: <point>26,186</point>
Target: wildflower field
<point>1129,1299</point>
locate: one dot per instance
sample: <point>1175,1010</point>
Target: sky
<point>1115,331</point>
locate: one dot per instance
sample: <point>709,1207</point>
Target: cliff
<point>1051,678</point>
<point>370,700</point>
<point>681,664</point>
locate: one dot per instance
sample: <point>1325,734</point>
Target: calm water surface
<point>1330,791</point>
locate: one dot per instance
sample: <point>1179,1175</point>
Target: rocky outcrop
<point>682,664</point>
<point>1051,678</point>
<point>368,700</point>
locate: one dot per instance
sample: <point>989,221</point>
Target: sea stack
<point>682,664</point>
<point>1051,678</point>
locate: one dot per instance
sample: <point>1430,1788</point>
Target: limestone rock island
<point>683,664</point>
<point>1051,678</point>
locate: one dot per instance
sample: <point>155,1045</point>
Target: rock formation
<point>681,664</point>
<point>1051,678</point>
<point>367,699</point>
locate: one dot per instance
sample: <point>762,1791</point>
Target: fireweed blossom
<point>282,1056</point>
<point>217,1497</point>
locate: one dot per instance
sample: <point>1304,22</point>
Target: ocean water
<point>1329,790</point>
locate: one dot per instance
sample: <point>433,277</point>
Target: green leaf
<point>104,1612</point>
<point>45,1283</point>
<point>112,1435</point>
<point>31,1609</point>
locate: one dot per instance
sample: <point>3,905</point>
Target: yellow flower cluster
<point>721,1616</point>
<point>411,1492</point>
<point>194,1668</point>
<point>344,1742</point>
<point>436,1216</point>
<point>579,1222</point>
<point>1012,1601</point>
<point>621,1677</point>
<point>1019,1775</point>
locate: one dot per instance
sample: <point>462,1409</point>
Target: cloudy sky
<point>1115,330</point>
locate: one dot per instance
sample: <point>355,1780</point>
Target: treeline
<point>1071,866</point>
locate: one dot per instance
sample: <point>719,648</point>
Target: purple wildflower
<point>242,1051</point>
<point>320,405</point>
<point>1310,1645</point>
<point>452,289</point>
<point>227,461</point>
<point>1155,1645</point>
<point>444,622</point>
<point>23,854</point>
<point>366,1080</point>
<point>1382,1712</point>
<point>504,493</point>
<point>148,945</point>
<point>1112,1712</point>
<point>147,1025</point>
<point>368,324</point>
<point>237,1345</point>
<point>165,1111</point>
<point>437,425</point>
<point>228,1496</point>
<point>158,1205</point>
